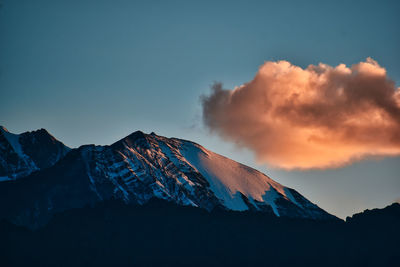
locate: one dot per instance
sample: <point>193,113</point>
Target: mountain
<point>141,167</point>
<point>148,200</point>
<point>160,233</point>
<point>22,154</point>
<point>389,215</point>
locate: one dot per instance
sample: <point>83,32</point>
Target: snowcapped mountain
<point>144,166</point>
<point>22,154</point>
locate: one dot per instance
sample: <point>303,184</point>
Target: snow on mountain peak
<point>228,177</point>
<point>236,186</point>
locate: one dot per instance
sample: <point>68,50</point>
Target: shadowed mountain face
<point>160,233</point>
<point>138,168</point>
<point>22,154</point>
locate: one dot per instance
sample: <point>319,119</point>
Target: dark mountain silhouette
<point>162,233</point>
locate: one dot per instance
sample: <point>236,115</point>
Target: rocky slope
<point>144,166</point>
<point>22,154</point>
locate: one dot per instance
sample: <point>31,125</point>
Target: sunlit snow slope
<point>229,179</point>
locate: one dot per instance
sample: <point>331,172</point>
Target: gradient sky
<point>95,71</point>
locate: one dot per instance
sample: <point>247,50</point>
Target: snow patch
<point>5,178</point>
<point>292,198</point>
<point>269,197</point>
<point>227,177</point>
<point>13,140</point>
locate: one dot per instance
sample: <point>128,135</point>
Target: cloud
<point>318,117</point>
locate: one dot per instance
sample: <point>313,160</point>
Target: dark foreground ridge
<point>160,233</point>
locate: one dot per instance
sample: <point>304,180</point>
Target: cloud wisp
<point>318,117</point>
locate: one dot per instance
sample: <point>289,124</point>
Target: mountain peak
<point>22,154</point>
<point>42,130</point>
<point>43,133</point>
<point>236,186</point>
<point>132,139</point>
<point>3,129</point>
<point>137,135</point>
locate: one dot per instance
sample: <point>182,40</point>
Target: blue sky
<point>95,71</point>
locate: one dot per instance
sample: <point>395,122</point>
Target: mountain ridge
<point>142,166</point>
<point>22,154</point>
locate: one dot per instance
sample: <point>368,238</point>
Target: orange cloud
<point>318,117</point>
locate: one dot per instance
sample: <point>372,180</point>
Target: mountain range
<point>41,177</point>
<point>148,200</point>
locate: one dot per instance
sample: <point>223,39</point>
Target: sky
<point>95,71</point>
